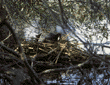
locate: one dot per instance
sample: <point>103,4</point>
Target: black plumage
<point>52,37</point>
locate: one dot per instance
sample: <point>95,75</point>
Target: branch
<point>52,13</point>
<point>32,74</point>
<point>4,22</point>
<point>9,50</point>
<point>61,12</point>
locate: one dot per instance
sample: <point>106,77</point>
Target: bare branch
<point>9,50</point>
<point>61,12</point>
<point>22,55</point>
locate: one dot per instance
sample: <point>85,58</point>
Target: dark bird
<point>52,37</point>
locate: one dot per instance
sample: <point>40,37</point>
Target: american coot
<point>52,37</point>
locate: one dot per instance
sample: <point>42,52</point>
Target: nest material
<point>60,53</point>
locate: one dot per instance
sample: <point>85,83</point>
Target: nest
<point>53,55</point>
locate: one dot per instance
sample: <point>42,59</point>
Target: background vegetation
<point>83,15</point>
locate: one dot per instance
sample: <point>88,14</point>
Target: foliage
<point>83,15</point>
